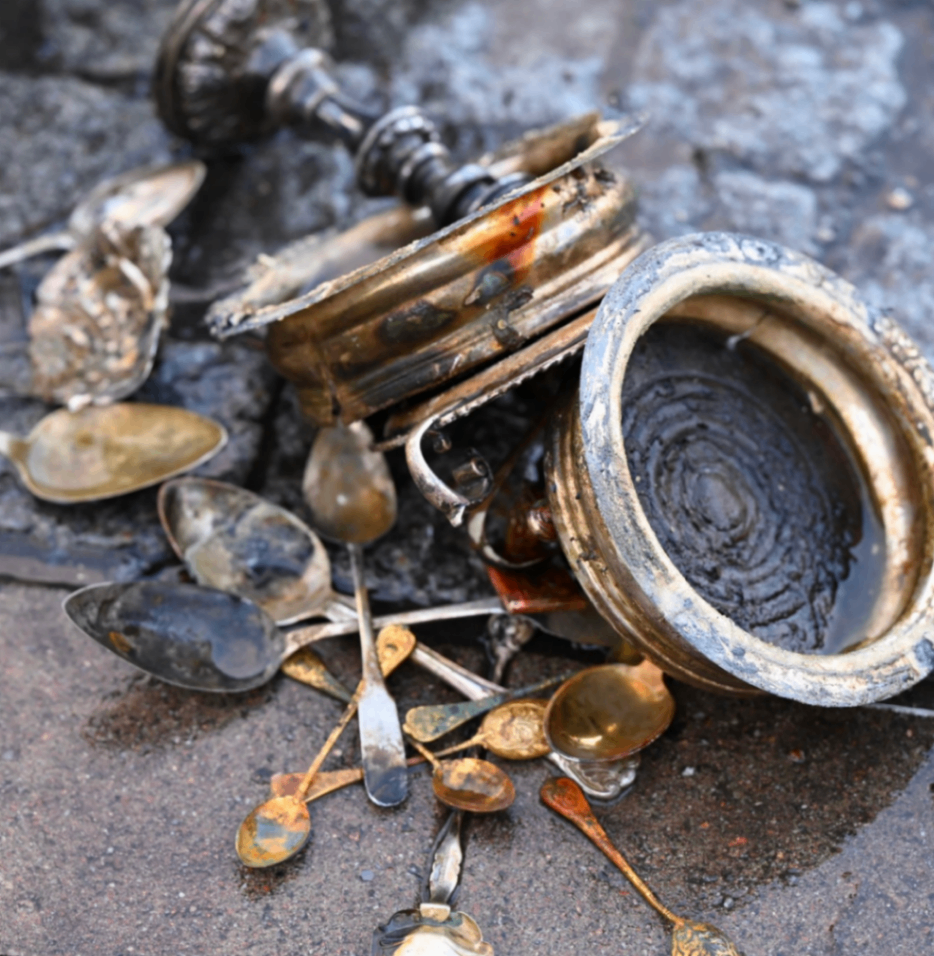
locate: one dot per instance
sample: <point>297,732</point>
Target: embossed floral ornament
<point>95,330</point>
<point>432,930</point>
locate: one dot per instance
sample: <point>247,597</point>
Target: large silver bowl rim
<point>725,263</point>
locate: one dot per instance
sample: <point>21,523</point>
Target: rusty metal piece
<point>538,590</point>
<point>609,712</point>
<point>288,784</point>
<point>512,731</point>
<point>870,392</point>
<point>689,938</point>
<point>469,783</point>
<point>277,829</point>
<point>306,667</point>
<point>434,929</point>
<point>236,541</point>
<point>475,291</point>
<point>431,721</point>
<point>106,451</point>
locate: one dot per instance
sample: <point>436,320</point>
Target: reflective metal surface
<point>235,541</point>
<point>103,452</point>
<point>867,382</point>
<point>609,712</point>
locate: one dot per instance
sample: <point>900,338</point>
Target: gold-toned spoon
<point>280,827</point>
<point>352,497</point>
<point>105,451</point>
<point>431,721</point>
<point>513,731</point>
<point>469,783</point>
<point>609,712</point>
<point>688,938</point>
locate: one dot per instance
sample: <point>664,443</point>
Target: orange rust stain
<point>510,232</point>
<point>536,590</point>
<point>120,642</point>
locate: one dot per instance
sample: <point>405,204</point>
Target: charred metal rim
<point>880,394</point>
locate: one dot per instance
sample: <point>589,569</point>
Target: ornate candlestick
<point>230,70</point>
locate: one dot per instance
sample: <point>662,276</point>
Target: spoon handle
<point>471,685</point>
<point>382,748</point>
<point>322,754</point>
<point>566,798</point>
<point>446,612</point>
<point>429,722</point>
<point>56,241</point>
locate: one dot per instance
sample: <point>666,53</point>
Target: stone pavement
<point>802,832</point>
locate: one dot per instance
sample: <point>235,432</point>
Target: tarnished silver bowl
<point>744,481</point>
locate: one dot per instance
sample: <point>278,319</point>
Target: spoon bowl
<point>103,452</point>
<point>348,486</point>
<point>273,832</point>
<point>515,731</point>
<point>183,634</point>
<point>471,784</point>
<point>235,541</point>
<point>609,712</point>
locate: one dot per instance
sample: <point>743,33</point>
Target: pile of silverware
<point>730,430</point>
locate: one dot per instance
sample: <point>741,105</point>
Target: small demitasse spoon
<point>688,938</point>
<point>513,731</point>
<point>469,783</point>
<point>105,451</point>
<point>236,541</point>
<point>280,827</point>
<point>432,721</point>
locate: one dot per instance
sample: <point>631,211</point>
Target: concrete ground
<point>799,831</point>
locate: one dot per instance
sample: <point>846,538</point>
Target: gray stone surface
<point>799,831</point>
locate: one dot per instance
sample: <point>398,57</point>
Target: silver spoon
<point>236,541</point>
<point>148,196</point>
<point>353,499</point>
<point>205,639</point>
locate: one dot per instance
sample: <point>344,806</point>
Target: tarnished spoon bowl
<point>185,635</point>
<point>273,832</point>
<point>472,784</point>
<point>515,731</point>
<point>609,712</point>
<point>147,196</point>
<point>103,452</point>
<point>235,541</point>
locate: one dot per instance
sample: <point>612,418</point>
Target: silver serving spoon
<point>208,640</point>
<point>353,500</point>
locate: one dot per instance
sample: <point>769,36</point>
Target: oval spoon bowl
<point>185,635</point>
